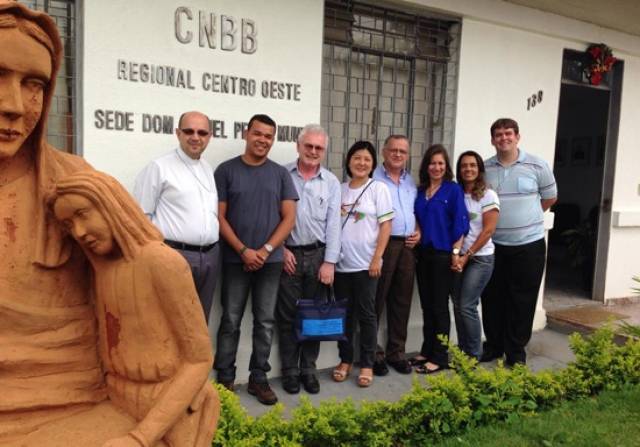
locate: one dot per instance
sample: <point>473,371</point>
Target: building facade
<point>439,71</point>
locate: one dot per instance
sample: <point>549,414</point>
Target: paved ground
<point>547,349</point>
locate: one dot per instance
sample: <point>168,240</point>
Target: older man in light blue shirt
<point>312,249</point>
<point>395,286</point>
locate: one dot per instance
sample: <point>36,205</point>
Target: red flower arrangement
<point>601,62</point>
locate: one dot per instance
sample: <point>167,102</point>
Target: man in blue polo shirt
<point>395,287</point>
<point>527,188</point>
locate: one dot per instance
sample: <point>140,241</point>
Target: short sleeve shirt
<point>520,187</point>
<point>253,195</point>
<point>362,225</point>
<point>476,209</point>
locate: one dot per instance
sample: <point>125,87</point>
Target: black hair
<point>264,119</point>
<point>358,146</point>
<point>479,184</point>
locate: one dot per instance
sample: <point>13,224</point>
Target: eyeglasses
<point>200,132</point>
<point>310,147</point>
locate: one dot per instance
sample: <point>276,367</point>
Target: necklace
<point>209,189</point>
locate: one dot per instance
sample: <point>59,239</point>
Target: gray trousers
<point>298,358</point>
<point>204,269</point>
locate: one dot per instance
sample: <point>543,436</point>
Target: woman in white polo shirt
<point>366,210</point>
<point>475,265</point>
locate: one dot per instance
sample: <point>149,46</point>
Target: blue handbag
<point>321,320</point>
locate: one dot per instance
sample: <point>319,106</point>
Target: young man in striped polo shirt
<point>527,188</point>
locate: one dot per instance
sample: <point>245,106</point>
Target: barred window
<point>387,72</point>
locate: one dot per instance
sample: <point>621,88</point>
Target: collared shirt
<point>520,187</point>
<point>318,211</point>
<point>403,196</point>
<point>179,195</point>
<point>443,218</point>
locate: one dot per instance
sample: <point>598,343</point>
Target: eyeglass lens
<point>200,132</point>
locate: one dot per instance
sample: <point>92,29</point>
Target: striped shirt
<point>520,188</point>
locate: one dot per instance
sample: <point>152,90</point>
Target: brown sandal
<point>365,378</point>
<point>341,372</point>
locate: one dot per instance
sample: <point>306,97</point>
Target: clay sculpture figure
<point>52,387</point>
<point>153,339</point>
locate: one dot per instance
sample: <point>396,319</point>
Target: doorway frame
<point>573,63</point>
<point>608,177</point>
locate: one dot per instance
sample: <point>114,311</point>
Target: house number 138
<point>534,100</point>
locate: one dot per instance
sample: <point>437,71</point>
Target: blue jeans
<point>236,285</point>
<point>467,288</point>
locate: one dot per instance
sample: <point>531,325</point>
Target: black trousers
<point>509,300</point>
<point>435,280</point>
<point>298,358</point>
<point>395,292</point>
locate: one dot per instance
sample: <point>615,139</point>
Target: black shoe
<point>263,393</point>
<point>310,383</point>
<point>402,366</point>
<point>380,368</point>
<point>510,362</point>
<point>488,356</point>
<point>291,384</point>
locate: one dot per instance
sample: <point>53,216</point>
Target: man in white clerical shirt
<point>178,193</point>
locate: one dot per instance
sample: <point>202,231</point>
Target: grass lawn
<point>610,419</point>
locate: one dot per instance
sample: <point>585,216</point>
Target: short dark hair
<point>394,137</point>
<point>432,150</point>
<point>479,185</point>
<point>358,146</point>
<point>505,123</point>
<point>261,118</point>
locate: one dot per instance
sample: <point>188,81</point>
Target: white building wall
<point>625,231</point>
<point>508,53</point>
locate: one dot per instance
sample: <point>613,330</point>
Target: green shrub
<point>441,405</point>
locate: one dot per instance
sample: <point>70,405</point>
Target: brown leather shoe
<point>263,393</point>
<point>228,385</point>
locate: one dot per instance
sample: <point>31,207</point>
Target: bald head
<point>194,133</point>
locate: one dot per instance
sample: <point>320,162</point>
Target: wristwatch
<point>269,248</point>
<point>456,251</point>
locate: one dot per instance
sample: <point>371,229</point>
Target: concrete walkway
<point>547,349</point>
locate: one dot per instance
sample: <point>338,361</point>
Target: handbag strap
<point>330,295</point>
<point>355,202</point>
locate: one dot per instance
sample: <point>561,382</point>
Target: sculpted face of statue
<point>85,223</point>
<point>25,70</point>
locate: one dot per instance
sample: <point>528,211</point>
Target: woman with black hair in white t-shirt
<point>475,265</point>
<point>366,210</point>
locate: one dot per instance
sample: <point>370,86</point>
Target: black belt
<point>189,247</point>
<point>316,244</point>
<point>398,238</point>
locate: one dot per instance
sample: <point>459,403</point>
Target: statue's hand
<point>124,441</point>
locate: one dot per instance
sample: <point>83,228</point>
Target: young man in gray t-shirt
<point>257,210</point>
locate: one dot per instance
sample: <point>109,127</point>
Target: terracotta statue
<point>52,388</point>
<point>153,339</point>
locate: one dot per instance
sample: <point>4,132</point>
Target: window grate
<point>60,127</point>
<point>387,72</point>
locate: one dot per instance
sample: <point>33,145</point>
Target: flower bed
<point>449,404</point>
